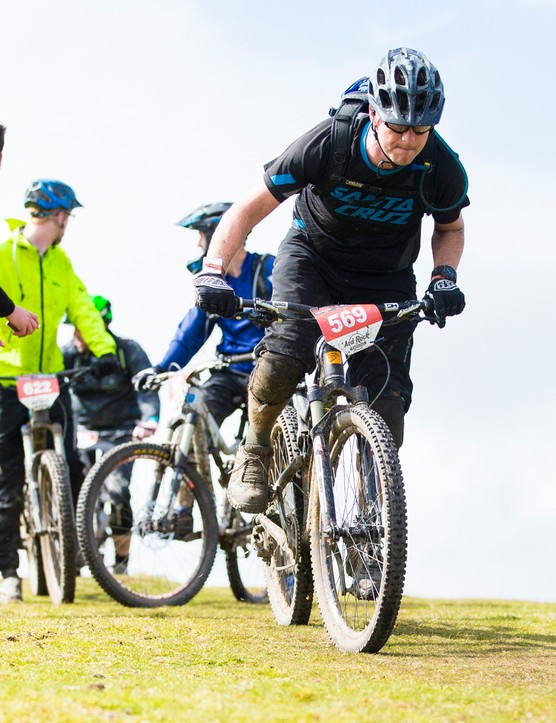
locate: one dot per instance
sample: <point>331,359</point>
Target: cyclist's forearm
<point>238,222</point>
<point>447,243</point>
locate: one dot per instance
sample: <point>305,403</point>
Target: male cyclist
<point>110,406</point>
<point>35,269</point>
<point>354,239</point>
<point>20,321</point>
<point>249,274</point>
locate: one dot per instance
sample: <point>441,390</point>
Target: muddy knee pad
<point>391,409</point>
<point>275,378</point>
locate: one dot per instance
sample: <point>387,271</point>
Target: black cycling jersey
<point>372,223</point>
<point>7,306</point>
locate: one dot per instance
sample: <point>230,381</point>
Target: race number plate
<point>349,328</point>
<point>38,392</point>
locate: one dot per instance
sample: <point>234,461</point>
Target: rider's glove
<point>106,364</point>
<point>144,381</point>
<point>214,295</point>
<point>447,297</point>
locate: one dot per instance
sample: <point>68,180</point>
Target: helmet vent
<point>420,102</point>
<point>380,77</point>
<point>385,99</point>
<point>399,76</point>
<point>437,79</point>
<point>422,78</point>
<point>403,103</point>
<point>435,100</point>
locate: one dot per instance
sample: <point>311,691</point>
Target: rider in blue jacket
<point>249,275</point>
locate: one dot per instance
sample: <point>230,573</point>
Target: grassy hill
<point>218,660</point>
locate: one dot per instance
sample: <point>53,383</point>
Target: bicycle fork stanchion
<point>32,481</point>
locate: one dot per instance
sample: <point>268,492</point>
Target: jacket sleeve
<point>6,304</point>
<point>82,313</point>
<point>193,331</point>
<point>135,359</point>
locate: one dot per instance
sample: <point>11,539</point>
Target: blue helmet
<point>406,89</point>
<point>47,196</point>
<point>205,218</point>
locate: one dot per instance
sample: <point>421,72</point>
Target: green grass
<point>218,660</point>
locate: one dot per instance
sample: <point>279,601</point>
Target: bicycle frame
<point>315,406</point>
<point>185,423</point>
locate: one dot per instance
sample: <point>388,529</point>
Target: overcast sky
<point>149,108</point>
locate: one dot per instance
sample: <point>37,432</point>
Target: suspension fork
<point>330,377</point>
<point>165,495</point>
<point>31,477</point>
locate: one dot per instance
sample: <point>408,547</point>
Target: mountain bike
<point>336,520</point>
<point>174,529</point>
<point>47,521</point>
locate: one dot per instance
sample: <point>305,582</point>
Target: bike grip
<point>427,304</point>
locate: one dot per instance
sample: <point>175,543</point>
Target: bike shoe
<point>10,590</point>
<point>248,485</point>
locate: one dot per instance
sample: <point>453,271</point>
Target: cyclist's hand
<point>144,429</point>
<point>22,322</point>
<point>106,364</point>
<point>447,297</point>
<point>145,380</point>
<point>214,295</point>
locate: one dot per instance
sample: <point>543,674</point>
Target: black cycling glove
<point>447,297</point>
<point>144,381</point>
<point>107,364</point>
<point>214,295</point>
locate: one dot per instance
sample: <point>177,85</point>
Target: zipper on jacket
<point>42,313</point>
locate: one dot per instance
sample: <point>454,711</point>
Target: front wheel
<point>32,546</point>
<point>140,552</point>
<point>359,563</point>
<point>57,538</point>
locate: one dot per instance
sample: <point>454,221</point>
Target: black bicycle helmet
<point>406,89</point>
<point>205,218</point>
<point>46,196</point>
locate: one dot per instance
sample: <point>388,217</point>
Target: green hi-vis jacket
<point>48,286</point>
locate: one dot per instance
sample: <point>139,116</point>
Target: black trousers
<point>12,470</point>
<point>302,277</point>
<point>224,392</point>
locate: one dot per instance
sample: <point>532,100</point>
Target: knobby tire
<point>189,567</point>
<point>288,574</point>
<point>359,579</point>
<point>58,543</point>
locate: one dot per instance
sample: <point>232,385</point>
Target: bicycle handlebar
<point>286,310</point>
<point>71,374</point>
<point>222,361</point>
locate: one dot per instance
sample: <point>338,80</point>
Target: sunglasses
<point>401,129</point>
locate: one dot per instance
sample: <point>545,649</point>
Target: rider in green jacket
<point>36,272</point>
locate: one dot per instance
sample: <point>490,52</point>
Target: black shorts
<point>224,392</point>
<point>302,277</point>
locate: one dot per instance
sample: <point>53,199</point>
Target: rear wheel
<point>141,554</point>
<point>359,567</point>
<point>57,542</point>
<point>288,572</point>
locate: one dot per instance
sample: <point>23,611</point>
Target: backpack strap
<point>260,286</point>
<point>343,124</point>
